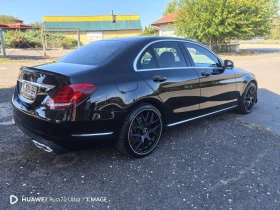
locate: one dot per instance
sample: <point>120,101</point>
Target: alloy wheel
<point>145,131</point>
<point>250,98</point>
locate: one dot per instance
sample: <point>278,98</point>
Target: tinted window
<point>147,60</point>
<point>202,57</point>
<point>94,53</point>
<point>168,54</point>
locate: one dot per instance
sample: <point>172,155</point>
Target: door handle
<point>205,73</point>
<point>159,78</point>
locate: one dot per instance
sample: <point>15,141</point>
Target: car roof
<point>139,39</point>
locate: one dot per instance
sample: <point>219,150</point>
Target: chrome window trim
<point>172,40</point>
<point>172,124</point>
<point>155,69</point>
<point>93,134</point>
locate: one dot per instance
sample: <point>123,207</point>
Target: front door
<point>165,69</point>
<point>218,85</point>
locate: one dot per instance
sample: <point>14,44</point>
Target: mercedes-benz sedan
<point>129,89</point>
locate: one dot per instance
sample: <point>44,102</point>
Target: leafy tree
<point>220,20</point>
<point>37,24</point>
<point>275,31</point>
<point>149,31</point>
<point>7,19</point>
<point>171,7</point>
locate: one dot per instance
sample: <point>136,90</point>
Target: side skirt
<point>211,113</point>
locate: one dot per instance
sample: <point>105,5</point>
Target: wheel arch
<point>251,80</point>
<point>255,82</point>
<point>245,81</point>
<point>154,102</point>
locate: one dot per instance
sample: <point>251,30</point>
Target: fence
<point>2,43</point>
<point>39,43</point>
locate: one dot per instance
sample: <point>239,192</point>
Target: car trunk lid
<point>35,84</point>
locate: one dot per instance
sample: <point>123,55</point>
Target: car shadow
<point>266,112</point>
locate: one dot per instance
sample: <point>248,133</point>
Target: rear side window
<point>164,54</point>
<point>94,53</point>
<point>168,54</point>
<point>147,60</point>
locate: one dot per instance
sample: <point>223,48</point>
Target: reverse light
<point>69,96</point>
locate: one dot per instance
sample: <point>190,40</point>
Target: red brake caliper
<point>131,137</point>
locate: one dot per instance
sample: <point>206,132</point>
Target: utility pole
<point>43,42</point>
<point>3,42</point>
<point>78,34</point>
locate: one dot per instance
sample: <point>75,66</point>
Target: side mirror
<point>228,64</point>
<point>147,60</point>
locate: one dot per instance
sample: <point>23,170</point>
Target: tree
<point>220,20</point>
<point>7,19</point>
<point>275,31</point>
<point>171,7</point>
<point>37,25</point>
<point>149,31</point>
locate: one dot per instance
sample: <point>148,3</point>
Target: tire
<point>248,99</point>
<point>141,131</point>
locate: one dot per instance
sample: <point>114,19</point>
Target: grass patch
<point>240,53</point>
<point>23,60</point>
<point>9,60</point>
<point>276,145</point>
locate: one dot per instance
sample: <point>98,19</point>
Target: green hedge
<point>32,39</point>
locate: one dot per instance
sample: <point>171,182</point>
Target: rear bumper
<point>64,136</point>
<point>37,140</point>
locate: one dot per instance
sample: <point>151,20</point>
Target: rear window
<point>94,53</point>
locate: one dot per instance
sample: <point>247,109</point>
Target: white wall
<point>94,36</point>
<point>165,31</point>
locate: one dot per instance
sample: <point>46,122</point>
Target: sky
<point>32,10</point>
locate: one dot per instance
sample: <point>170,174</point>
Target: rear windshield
<point>94,53</point>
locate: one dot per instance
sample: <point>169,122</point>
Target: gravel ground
<point>228,161</point>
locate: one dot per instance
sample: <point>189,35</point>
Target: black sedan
<point>129,89</point>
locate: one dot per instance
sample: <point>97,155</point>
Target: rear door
<point>218,85</point>
<point>167,71</point>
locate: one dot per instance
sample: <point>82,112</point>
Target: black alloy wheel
<point>249,99</point>
<point>141,131</point>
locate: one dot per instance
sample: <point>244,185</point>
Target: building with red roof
<point>163,25</point>
<point>17,25</point>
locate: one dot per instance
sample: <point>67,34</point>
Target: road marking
<point>5,110</point>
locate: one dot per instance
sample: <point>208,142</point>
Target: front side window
<point>168,54</point>
<point>202,57</point>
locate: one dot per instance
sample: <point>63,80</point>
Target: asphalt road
<point>266,67</point>
<point>228,161</point>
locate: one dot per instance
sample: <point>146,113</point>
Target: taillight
<point>69,96</point>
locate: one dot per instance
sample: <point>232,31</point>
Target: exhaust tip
<point>42,146</point>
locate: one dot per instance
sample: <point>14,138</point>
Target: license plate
<point>28,91</point>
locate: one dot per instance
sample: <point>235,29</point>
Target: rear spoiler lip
<point>37,69</point>
<point>54,72</point>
